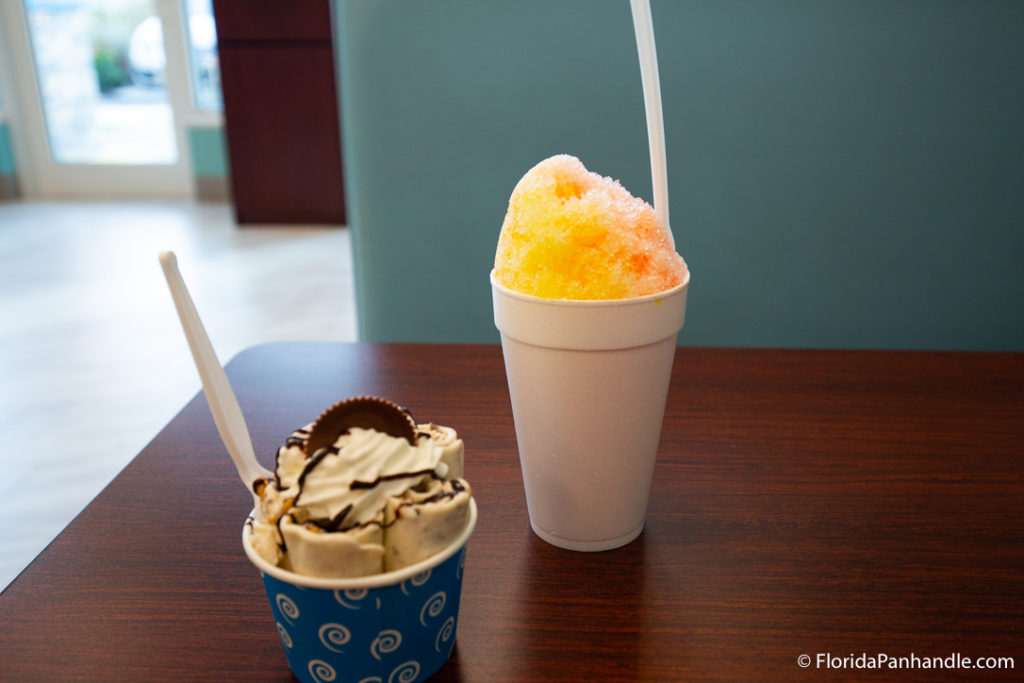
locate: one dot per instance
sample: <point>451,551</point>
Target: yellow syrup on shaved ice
<point>573,234</point>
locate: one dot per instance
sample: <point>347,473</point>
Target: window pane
<point>100,67</point>
<point>205,66</point>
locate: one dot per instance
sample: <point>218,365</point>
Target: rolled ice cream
<point>362,490</point>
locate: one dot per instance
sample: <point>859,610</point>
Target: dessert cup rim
<point>664,294</point>
<point>392,578</point>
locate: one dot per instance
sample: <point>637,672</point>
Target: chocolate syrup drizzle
<point>298,438</point>
<point>335,523</point>
<point>360,485</point>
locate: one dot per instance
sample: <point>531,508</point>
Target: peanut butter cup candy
<point>367,412</point>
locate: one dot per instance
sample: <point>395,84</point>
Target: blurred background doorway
<point>103,86</point>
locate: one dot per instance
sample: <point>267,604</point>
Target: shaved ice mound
<point>573,234</point>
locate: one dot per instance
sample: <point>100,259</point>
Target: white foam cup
<point>588,382</point>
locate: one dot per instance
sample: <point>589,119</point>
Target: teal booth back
<point>843,173</point>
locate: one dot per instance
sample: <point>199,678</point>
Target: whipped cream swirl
<point>348,483</point>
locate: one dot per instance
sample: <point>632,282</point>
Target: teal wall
<point>7,166</point>
<point>8,177</point>
<point>210,166</point>
<point>844,173</point>
<point>207,146</point>
<point>209,153</point>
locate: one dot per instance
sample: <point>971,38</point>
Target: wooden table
<point>805,502</point>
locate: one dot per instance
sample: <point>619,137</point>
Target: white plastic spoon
<point>643,26</point>
<point>226,413</point>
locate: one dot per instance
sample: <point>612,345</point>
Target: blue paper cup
<point>396,627</point>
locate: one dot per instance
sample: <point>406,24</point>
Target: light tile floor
<point>93,361</point>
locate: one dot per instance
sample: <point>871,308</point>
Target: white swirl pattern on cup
<point>405,673</point>
<point>387,641</point>
<point>417,580</point>
<point>289,610</point>
<point>370,679</point>
<point>353,595</point>
<point>286,639</point>
<point>321,671</point>
<point>333,636</point>
<point>433,606</point>
<point>445,633</point>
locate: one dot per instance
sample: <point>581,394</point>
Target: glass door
<point>102,85</point>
